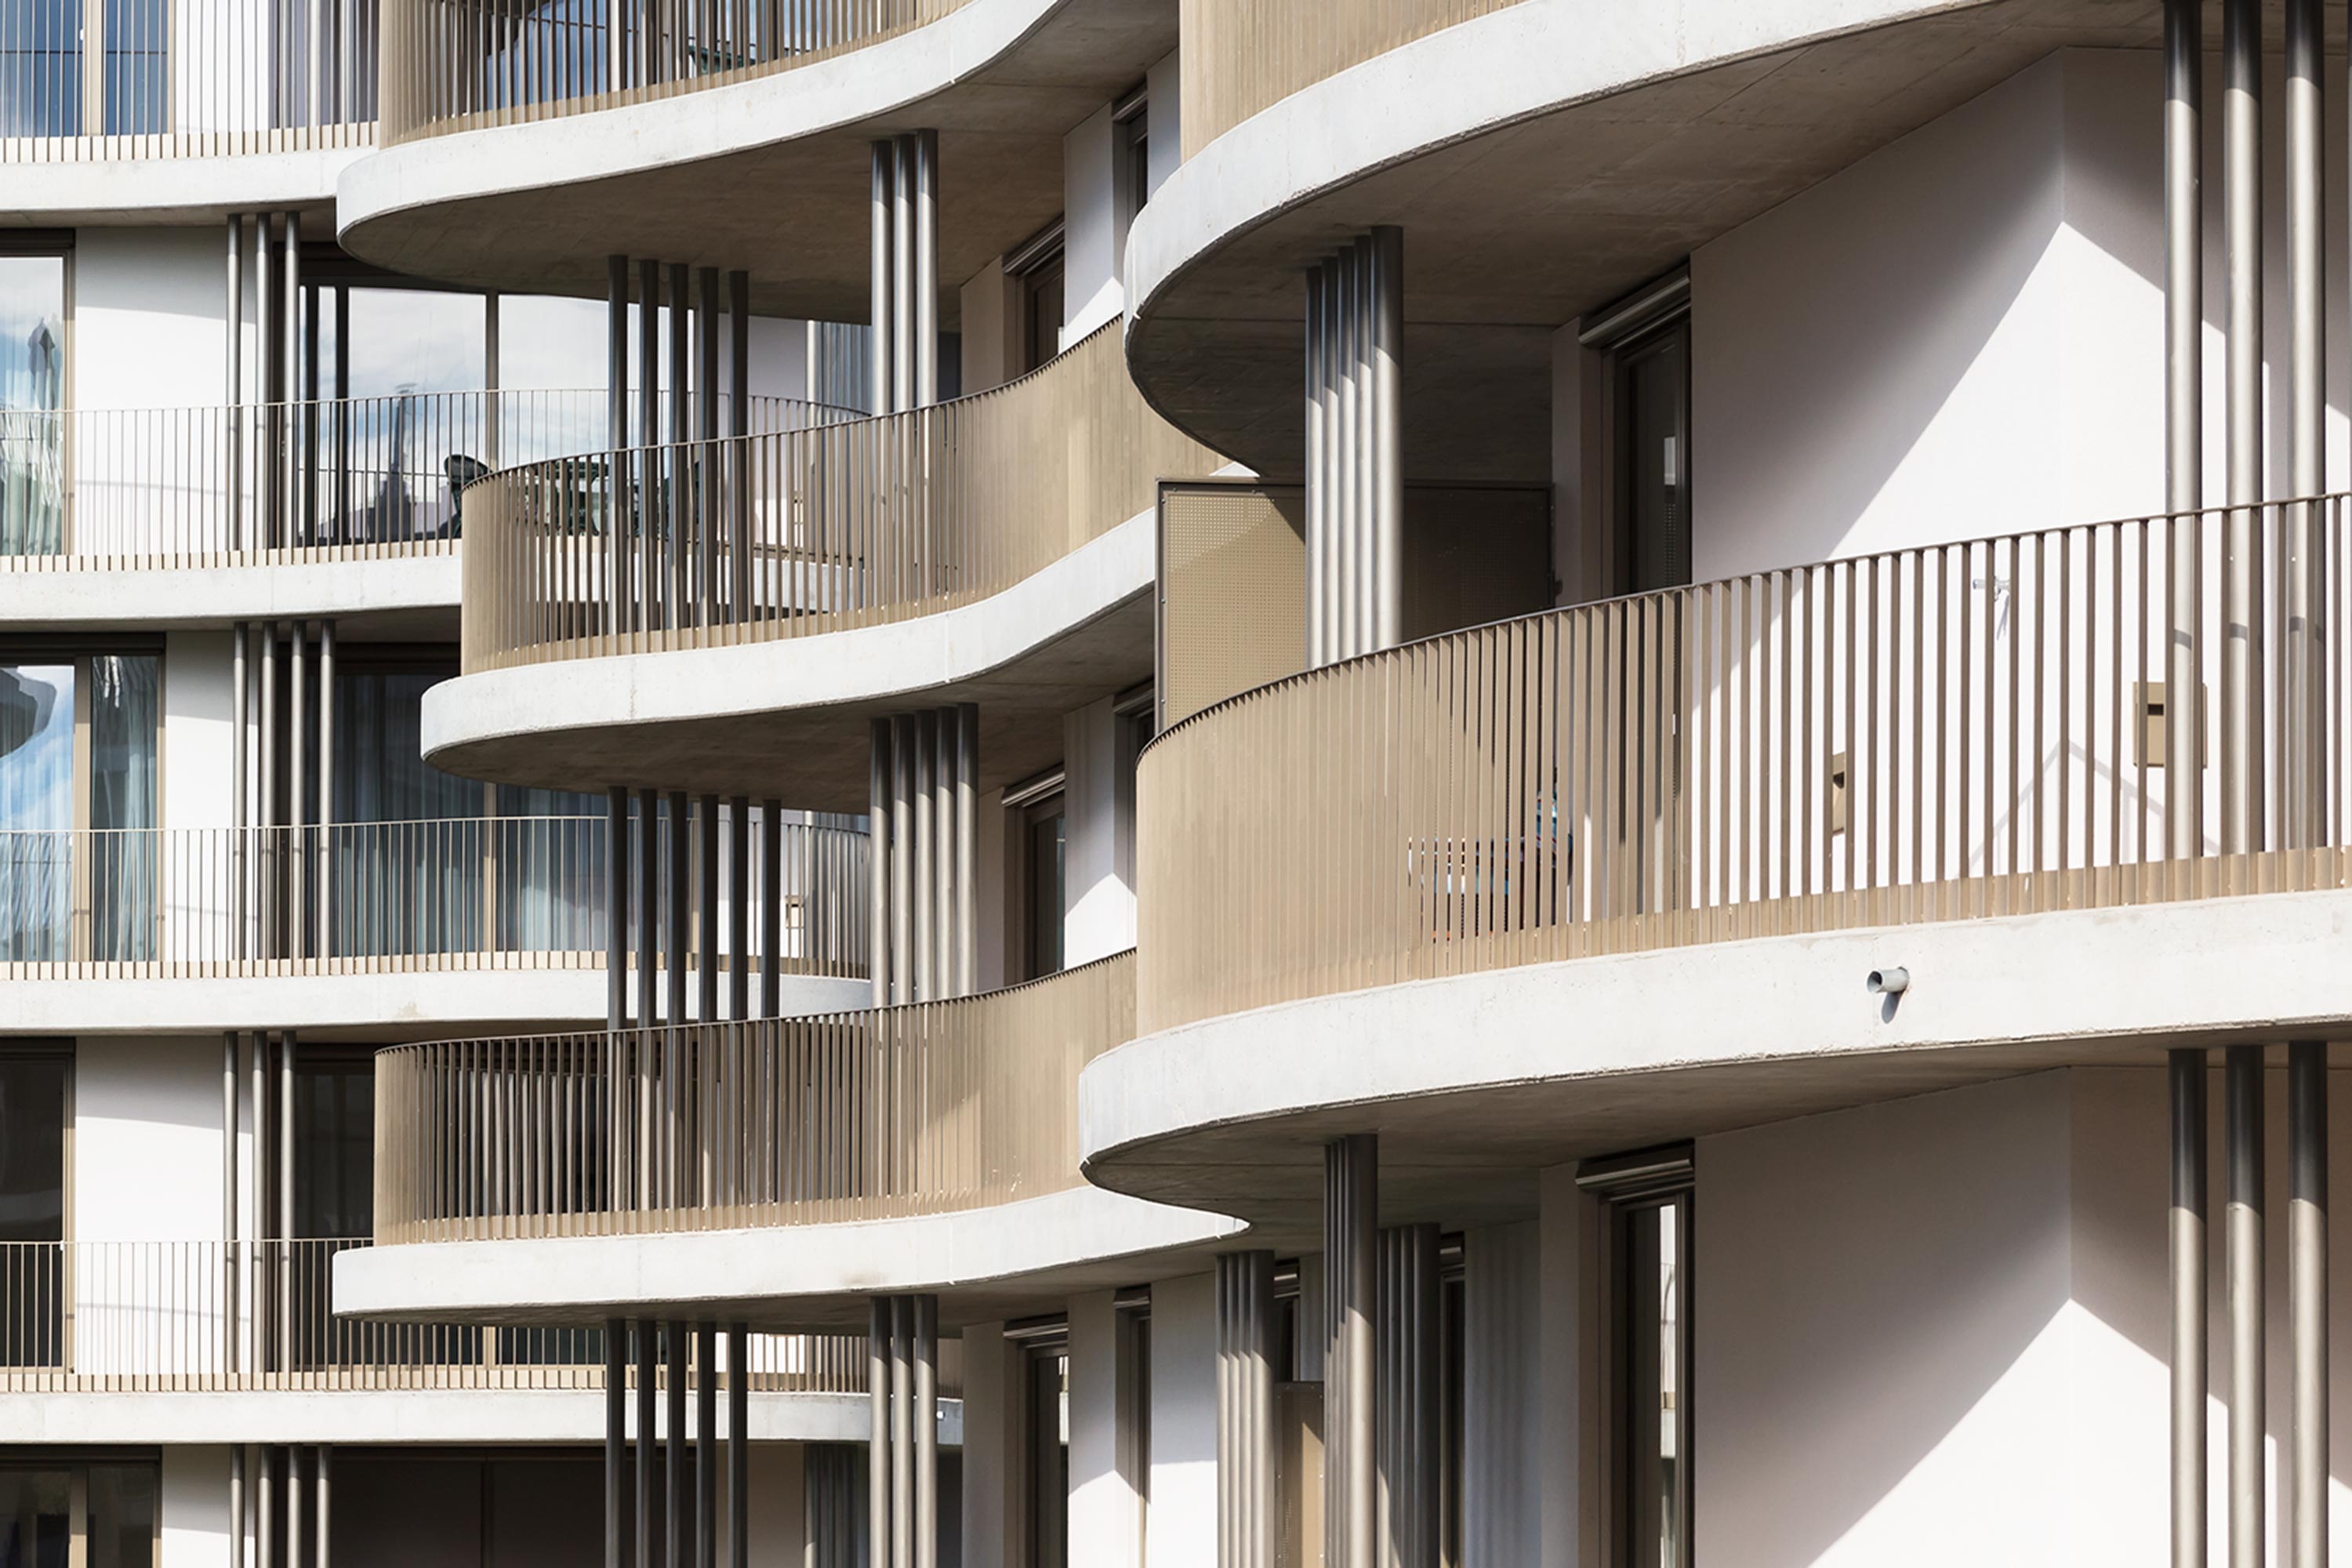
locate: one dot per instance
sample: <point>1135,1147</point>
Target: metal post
<point>1386,323</point>
<point>902,859</point>
<point>648,1382</point>
<point>1249,1503</point>
<point>2306,1293</point>
<point>2241,200</point>
<point>2303,669</point>
<point>1350,1244</point>
<point>616,910</point>
<point>617,1434</point>
<point>323,872</point>
<point>266,816</point>
<point>294,1520</point>
<point>679,589</point>
<point>285,1227</point>
<point>706,457</point>
<point>649,907</point>
<point>946,754</point>
<point>706,990</point>
<point>902,1434</point>
<point>673,1458</point>
<point>2185,1070</point>
<point>739,1446</point>
<point>675,893</point>
<point>236,1523</point>
<point>902,274</point>
<point>675,939</point>
<point>268,366</point>
<point>738,425</point>
<point>491,433</point>
<point>1407,1349</point>
<point>616,422</point>
<point>1347,519</point>
<point>240,801</point>
<point>967,847</point>
<point>298,815</point>
<point>228,1198</point>
<point>880,335</point>
<point>926,268</point>
<point>926,871</point>
<point>878,1447</point>
<point>925,1354</point>
<point>265,1508</point>
<point>881,845</point>
<point>2243,1237</point>
<point>321,1511</point>
<point>647,569</point>
<point>739,907</point>
<point>1319,482</point>
<point>289,481</point>
<point>256,1344</point>
<point>772,912</point>
<point>2184,437</point>
<point>232,429</point>
<point>705,1444</point>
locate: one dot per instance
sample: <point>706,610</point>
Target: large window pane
<point>124,692</point>
<point>35,1526</point>
<point>32,1207</point>
<point>122,1516</point>
<point>40,71</point>
<point>32,389</point>
<point>37,810</point>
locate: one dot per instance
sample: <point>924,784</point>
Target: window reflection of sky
<point>32,331</point>
<point>36,719</point>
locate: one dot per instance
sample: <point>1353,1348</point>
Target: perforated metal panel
<point>1232,591</point>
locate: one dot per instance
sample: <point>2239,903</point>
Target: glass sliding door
<point>32,386</point>
<point>125,710</point>
<point>1653,411</point>
<point>33,1080</point>
<point>79,849</point>
<point>37,812</point>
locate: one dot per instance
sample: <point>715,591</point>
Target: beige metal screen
<point>928,1108</point>
<point>1232,591</point>
<point>1243,56</point>
<point>1934,734</point>
<point>854,522</point>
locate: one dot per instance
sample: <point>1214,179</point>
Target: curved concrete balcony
<point>345,507</point>
<point>777,1171</point>
<point>727,614</point>
<point>367,927</point>
<point>184,112</point>
<point>1600,145</point>
<point>1621,872</point>
<point>203,1341</point>
<point>513,158</point>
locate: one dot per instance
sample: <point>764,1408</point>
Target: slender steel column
<point>616,910</point>
<point>674,1459</point>
<point>902,274</point>
<point>947,930</point>
<point>2241,575</point>
<point>2244,1238</point>
<point>228,1197</point>
<point>707,907</point>
<point>2185,1070</point>
<point>739,907</point>
<point>648,1382</point>
<point>322,874</point>
<point>902,1432</point>
<point>738,425</point>
<point>2303,670</point>
<point>926,1421</point>
<point>2306,1293</point>
<point>649,906</point>
<point>880,846</point>
<point>256,1342</point>
<point>647,570</point>
<point>291,276</point>
<point>1249,1504</point>
<point>264,1507</point>
<point>237,1520</point>
<point>617,414</point>
<point>772,910</point>
<point>294,1520</point>
<point>616,1433</point>
<point>967,848</point>
<point>926,268</point>
<point>1319,482</point>
<point>881,334</point>
<point>902,860</point>
<point>878,1335</point>
<point>268,367</point>
<point>285,1227</point>
<point>1350,1246</point>
<point>705,430</point>
<point>233,427</point>
<point>679,586</point>
<point>1385,321</point>
<point>1349,425</point>
<point>739,1446</point>
<point>322,1508</point>
<point>705,1445</point>
<point>240,794</point>
<point>926,871</point>
<point>267,899</point>
<point>676,874</point>
<point>298,815</point>
<point>1407,1348</point>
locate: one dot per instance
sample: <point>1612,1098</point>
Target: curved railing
<point>1242,56</point>
<point>88,79</point>
<point>1942,732</point>
<point>460,64</point>
<point>745,539</point>
<point>929,1109</point>
<point>280,482</point>
<point>197,1317</point>
<point>492,892</point>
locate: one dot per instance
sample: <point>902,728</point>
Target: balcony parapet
<point>282,483</point>
<point>1945,732</point>
<point>209,1317</point>
<point>936,1108</point>
<point>799,532</point>
<point>464,65</point>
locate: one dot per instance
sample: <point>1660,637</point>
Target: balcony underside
<point>1475,1082</point>
<point>772,173</point>
<point>1008,1261</point>
<point>788,719</point>
<point>1589,162</point>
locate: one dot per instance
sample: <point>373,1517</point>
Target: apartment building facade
<point>1145,784</point>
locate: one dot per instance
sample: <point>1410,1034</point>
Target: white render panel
<point>198,745</point>
<point>194,1504</point>
<point>1182,1522</point>
<point>1105,1516</point>
<point>1099,828</point>
<point>1090,258</point>
<point>150,314</point>
<point>147,1132</point>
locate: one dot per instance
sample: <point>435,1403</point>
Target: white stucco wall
<point>195,1499</point>
<point>199,747</point>
<point>1164,83</point>
<point>1962,334</point>
<point>147,1130</point>
<point>149,309</point>
<point>1105,1524</point>
<point>1181,1526</point>
<point>1090,258</point>
<point>1098,848</point>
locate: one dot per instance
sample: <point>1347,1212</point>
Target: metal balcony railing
<point>740,539</point>
<point>460,64</point>
<point>930,1109</point>
<point>167,1317</point>
<point>1952,731</point>
<point>519,892</point>
<point>276,482</point>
